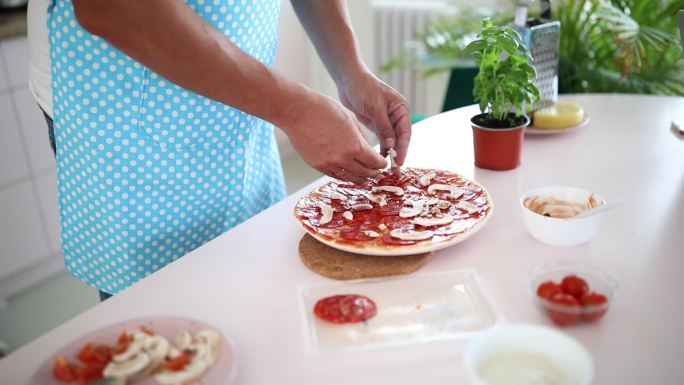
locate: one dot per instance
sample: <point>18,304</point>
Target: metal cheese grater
<point>542,38</point>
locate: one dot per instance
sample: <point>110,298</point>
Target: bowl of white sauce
<point>522,354</point>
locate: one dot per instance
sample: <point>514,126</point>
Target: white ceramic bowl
<point>561,231</point>
<point>564,352</point>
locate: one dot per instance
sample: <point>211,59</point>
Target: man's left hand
<point>380,108</point>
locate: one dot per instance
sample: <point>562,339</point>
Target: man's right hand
<point>329,139</point>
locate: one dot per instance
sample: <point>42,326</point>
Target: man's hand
<point>380,108</point>
<point>375,103</point>
<point>330,140</point>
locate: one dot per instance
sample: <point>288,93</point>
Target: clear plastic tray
<point>410,309</point>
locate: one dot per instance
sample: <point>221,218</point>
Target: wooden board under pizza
<point>397,213</point>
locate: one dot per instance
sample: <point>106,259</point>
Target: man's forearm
<point>169,38</point>
<point>329,28</point>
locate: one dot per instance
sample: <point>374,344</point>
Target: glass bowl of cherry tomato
<point>570,293</point>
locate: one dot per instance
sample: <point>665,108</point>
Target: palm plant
<point>629,46</point>
<point>621,46</point>
<point>441,46</point>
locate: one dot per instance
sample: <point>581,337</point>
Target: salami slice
<point>345,308</point>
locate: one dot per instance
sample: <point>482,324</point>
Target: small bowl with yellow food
<point>556,118</point>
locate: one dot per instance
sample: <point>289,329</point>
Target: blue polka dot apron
<point>147,170</point>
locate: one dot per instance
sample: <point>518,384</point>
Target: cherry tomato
<point>575,286</point>
<point>89,373</point>
<point>178,363</point>
<point>87,354</point>
<point>103,354</point>
<point>591,300</point>
<point>124,340</point>
<point>64,370</point>
<point>569,311</point>
<point>547,289</point>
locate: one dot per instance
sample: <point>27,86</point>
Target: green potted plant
<point>503,88</point>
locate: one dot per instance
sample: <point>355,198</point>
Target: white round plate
<point>221,373</point>
<point>537,131</point>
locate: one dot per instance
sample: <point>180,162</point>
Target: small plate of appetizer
<point>164,350</point>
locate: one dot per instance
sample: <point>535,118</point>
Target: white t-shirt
<point>40,73</point>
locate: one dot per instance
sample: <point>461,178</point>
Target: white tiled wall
<point>29,222</point>
<point>4,84</point>
<point>13,165</point>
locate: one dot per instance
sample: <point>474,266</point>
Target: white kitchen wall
<point>29,230</point>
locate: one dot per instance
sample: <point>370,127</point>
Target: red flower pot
<point>498,148</point>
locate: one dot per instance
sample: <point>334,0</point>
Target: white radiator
<point>396,24</point>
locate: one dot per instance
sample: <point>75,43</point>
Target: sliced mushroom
<point>443,204</point>
<point>382,227</point>
<point>362,206</point>
<point>393,156</point>
<point>435,210</point>
<point>427,222</point>
<point>393,189</point>
<point>118,381</point>
<point>205,351</point>
<point>327,211</point>
<point>135,347</point>
<point>337,195</point>
<point>348,215</point>
<point>432,201</point>
<point>371,233</point>
<point>128,368</point>
<point>455,191</point>
<point>210,339</point>
<point>467,206</point>
<point>157,347</point>
<point>184,340</point>
<point>411,235</point>
<point>425,179</point>
<point>173,352</point>
<point>379,199</point>
<point>415,210</point>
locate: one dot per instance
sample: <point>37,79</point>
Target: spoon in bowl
<point>598,209</point>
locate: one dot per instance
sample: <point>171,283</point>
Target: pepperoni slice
<point>354,234</point>
<point>366,217</point>
<point>398,222</point>
<point>345,308</point>
<point>336,221</point>
<point>391,209</point>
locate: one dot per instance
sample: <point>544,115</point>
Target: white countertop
<point>248,286</point>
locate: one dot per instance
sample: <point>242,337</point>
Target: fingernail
<point>389,143</point>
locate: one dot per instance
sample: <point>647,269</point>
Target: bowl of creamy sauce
<point>551,214</point>
<point>521,354</point>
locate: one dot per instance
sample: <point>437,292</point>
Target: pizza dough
<point>342,265</point>
<point>408,212</point>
